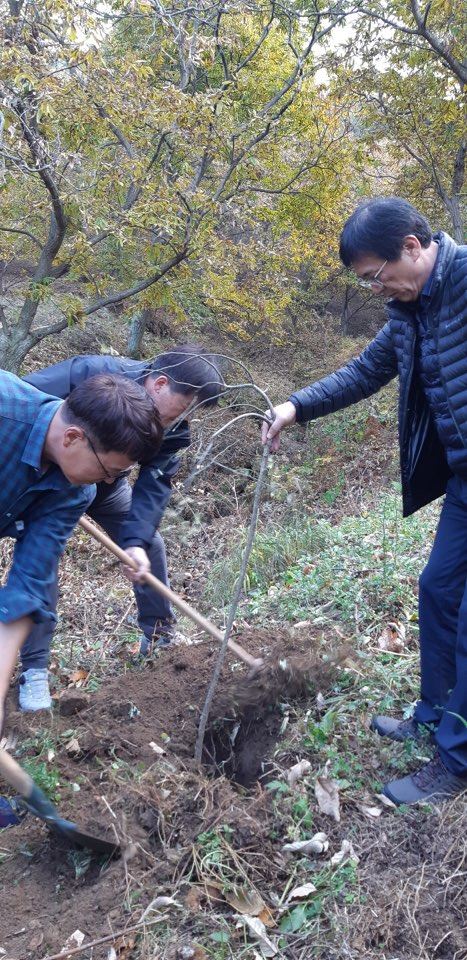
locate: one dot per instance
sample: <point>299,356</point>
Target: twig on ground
<point>64,954</point>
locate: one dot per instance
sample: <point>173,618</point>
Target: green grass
<point>362,571</point>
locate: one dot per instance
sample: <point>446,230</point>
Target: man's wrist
<point>298,408</point>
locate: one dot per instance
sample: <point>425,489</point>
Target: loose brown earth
<point>156,804</point>
<point>161,806</point>
<point>409,901</point>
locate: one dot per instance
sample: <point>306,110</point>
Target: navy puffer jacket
<point>424,467</point>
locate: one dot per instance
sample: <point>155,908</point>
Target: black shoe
<point>397,729</point>
<point>432,782</point>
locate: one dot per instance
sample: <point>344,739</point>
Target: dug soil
<point>124,756</point>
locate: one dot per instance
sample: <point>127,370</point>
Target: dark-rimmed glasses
<point>110,476</point>
<point>372,281</point>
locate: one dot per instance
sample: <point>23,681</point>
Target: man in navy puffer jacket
<point>390,247</point>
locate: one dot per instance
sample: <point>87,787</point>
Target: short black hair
<point>379,226</point>
<point>190,369</point>
<point>116,414</point>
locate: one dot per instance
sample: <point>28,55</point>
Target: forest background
<point>192,164</point>
<point>182,170</point>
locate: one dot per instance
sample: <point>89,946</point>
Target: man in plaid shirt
<point>52,452</point>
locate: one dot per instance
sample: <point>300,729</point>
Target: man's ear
<point>412,247</point>
<point>154,384</point>
<point>72,434</point>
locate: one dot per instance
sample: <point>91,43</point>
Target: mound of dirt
<point>124,759</point>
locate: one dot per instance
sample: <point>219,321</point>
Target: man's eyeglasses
<point>372,281</point>
<point>110,476</point>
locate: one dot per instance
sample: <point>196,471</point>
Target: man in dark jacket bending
<point>391,249</point>
<point>175,380</point>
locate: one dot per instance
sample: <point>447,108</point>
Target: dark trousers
<point>443,632</point>
<point>109,509</point>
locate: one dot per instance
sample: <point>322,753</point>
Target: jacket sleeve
<point>151,494</point>
<point>360,378</point>
<point>49,521</point>
<point>152,489</point>
<point>61,378</point>
<point>55,380</point>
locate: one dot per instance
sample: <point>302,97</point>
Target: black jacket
<point>152,488</point>
<point>424,467</point>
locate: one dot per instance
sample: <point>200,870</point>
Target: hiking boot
<point>145,646</point>
<point>34,691</point>
<point>397,729</point>
<point>432,782</point>
<point>162,637</point>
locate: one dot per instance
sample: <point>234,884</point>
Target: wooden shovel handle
<point>169,594</point>
<point>11,771</point>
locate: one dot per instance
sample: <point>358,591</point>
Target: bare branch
<point>25,233</point>
<point>139,287</point>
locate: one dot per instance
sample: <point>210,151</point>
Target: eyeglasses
<point>110,476</point>
<point>372,281</point>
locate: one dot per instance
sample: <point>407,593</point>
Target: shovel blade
<point>78,838</point>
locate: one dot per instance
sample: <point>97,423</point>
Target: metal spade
<point>38,804</point>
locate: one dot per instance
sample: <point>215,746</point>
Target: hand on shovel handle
<point>255,663</point>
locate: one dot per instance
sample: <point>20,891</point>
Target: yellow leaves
<point>72,308</point>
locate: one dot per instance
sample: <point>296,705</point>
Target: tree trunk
<point>455,213</point>
<point>456,199</point>
<point>14,345</point>
<point>136,333</point>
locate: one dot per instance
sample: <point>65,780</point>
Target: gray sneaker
<point>432,782</point>
<point>34,691</point>
<point>397,729</point>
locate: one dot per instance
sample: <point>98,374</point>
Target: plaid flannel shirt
<point>38,509</point>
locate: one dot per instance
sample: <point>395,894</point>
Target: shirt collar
<point>32,453</point>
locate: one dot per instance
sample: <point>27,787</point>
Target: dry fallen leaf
<point>245,901</point>
<point>392,638</point>
<point>73,748</point>
<point>76,939</point>
<point>327,795</point>
<point>193,899</point>
<point>301,893</point>
<point>386,801</point>
<point>297,772</point>
<point>125,946</point>
<point>77,677</point>
<point>188,952</point>
<point>345,853</point>
<point>266,916</point>
<point>319,843</point>
<point>258,930</point>
<point>320,702</point>
<point>371,812</point>
<point>159,903</point>
<point>8,743</point>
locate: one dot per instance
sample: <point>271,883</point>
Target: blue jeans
<point>109,509</point>
<point>443,632</point>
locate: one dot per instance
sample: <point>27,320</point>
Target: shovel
<point>255,663</point>
<point>38,804</point>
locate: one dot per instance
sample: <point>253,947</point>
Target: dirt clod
<point>73,701</point>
